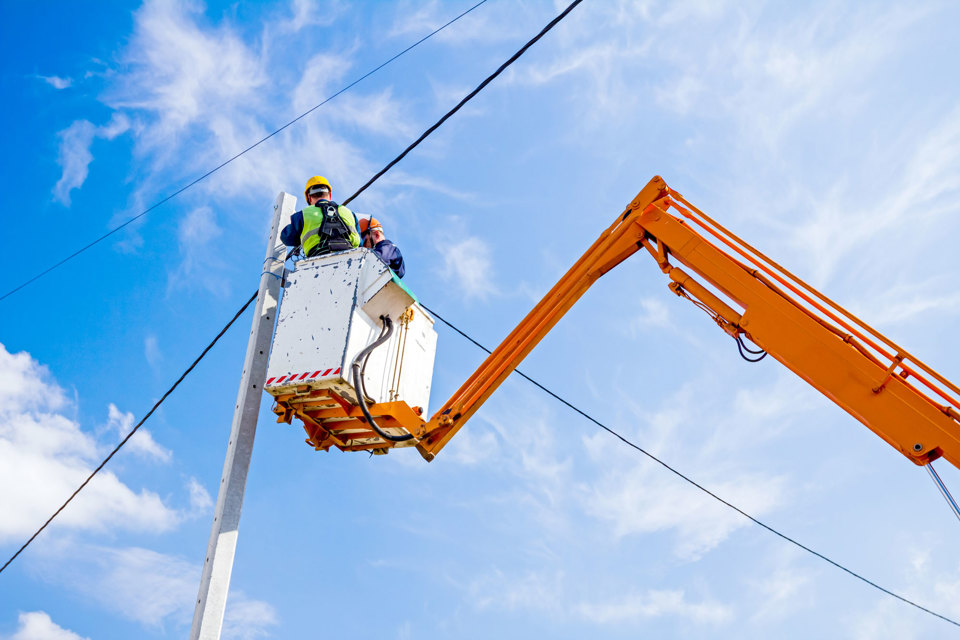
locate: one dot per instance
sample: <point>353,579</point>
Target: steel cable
<point>134,430</point>
<point>226,162</point>
<point>695,483</point>
<point>384,170</point>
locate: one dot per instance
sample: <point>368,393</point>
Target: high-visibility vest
<point>327,227</point>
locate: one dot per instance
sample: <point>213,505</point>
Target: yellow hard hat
<point>314,181</point>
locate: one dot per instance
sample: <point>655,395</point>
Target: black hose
<point>744,349</point>
<point>358,382</point>
<point>363,369</point>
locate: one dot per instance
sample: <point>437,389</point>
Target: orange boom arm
<point>899,398</point>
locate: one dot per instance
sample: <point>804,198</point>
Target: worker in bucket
<point>372,232</point>
<point>322,226</point>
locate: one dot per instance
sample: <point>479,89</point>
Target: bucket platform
<point>332,309</point>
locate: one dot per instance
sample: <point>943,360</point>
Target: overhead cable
<point>226,162</point>
<point>134,430</point>
<point>694,482</point>
<point>467,98</point>
<point>200,357</point>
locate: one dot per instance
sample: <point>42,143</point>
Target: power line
<point>226,162</point>
<point>134,430</point>
<point>694,482</point>
<point>467,98</point>
<point>222,331</point>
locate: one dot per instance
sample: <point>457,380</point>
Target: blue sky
<point>828,135</point>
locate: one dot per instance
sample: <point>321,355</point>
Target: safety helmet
<point>313,182</point>
<point>367,224</point>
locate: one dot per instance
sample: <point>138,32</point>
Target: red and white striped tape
<point>305,376</point>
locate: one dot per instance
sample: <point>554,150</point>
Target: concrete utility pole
<point>215,580</point>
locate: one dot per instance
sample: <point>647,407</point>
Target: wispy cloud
<point>551,593</point>
<point>135,583</point>
<point>248,619</point>
<point>924,192</point>
<point>57,82</point>
<point>654,604</point>
<point>142,443</point>
<point>151,350</point>
<point>200,500</point>
<point>493,24</point>
<point>467,261</point>
<point>75,156</point>
<point>201,262</point>
<point>145,586</point>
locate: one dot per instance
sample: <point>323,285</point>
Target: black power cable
<point>358,381</point>
<point>134,430</point>
<point>226,162</point>
<point>467,98</point>
<point>694,482</point>
<point>384,170</point>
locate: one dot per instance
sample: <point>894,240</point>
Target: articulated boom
<point>898,397</point>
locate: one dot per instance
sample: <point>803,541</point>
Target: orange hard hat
<point>366,224</point>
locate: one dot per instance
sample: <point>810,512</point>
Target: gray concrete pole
<point>218,565</point>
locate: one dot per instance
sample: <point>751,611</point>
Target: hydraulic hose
<point>358,381</point>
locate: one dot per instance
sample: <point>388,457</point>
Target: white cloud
<point>924,191</point>
<point>654,604</point>
<point>473,446</point>
<point>645,500</point>
<point>468,265</point>
<point>638,497</point>
<point>135,583</point>
<point>142,443</point>
<point>200,93</point>
<point>322,74</point>
<point>151,350</point>
<point>147,587</point>
<point>37,625</point>
<point>47,456</point>
<point>201,263</point>
<point>484,25</point>
<point>200,499</point>
<point>75,156</point>
<point>784,591</point>
<point>553,594</point>
<point>182,73</point>
<point>308,13</point>
<point>247,619</point>
<point>654,314</point>
<point>57,82</point>
<point>530,591</point>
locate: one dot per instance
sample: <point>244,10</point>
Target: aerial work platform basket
<point>346,321</point>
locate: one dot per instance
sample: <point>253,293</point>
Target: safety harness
<point>324,230</point>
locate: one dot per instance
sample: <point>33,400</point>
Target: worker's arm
<point>390,254</point>
<point>290,235</point>
<point>902,400</point>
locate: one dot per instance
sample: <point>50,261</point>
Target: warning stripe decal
<point>301,376</point>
